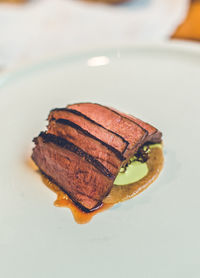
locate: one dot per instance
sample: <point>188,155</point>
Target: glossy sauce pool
<point>119,193</point>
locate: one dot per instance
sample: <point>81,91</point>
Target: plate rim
<point>63,222</point>
<point>183,47</point>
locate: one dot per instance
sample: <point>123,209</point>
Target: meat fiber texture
<point>85,146</point>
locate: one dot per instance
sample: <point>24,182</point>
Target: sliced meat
<point>104,153</point>
<point>108,136</point>
<point>85,146</point>
<point>116,122</point>
<point>77,173</point>
<point>154,135</point>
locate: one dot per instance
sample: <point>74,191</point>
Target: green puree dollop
<point>134,172</point>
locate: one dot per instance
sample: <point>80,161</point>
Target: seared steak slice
<point>154,135</point>
<point>77,173</point>
<point>108,136</point>
<point>114,121</point>
<point>104,153</point>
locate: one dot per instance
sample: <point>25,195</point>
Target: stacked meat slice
<point>85,146</point>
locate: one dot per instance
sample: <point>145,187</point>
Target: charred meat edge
<point>86,133</point>
<point>137,145</point>
<point>146,138</point>
<point>81,207</point>
<point>154,137</point>
<point>63,143</point>
<point>73,111</point>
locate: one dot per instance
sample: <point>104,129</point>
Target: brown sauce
<point>117,194</point>
<point>63,200</point>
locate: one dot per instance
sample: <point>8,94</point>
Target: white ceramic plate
<point>154,235</point>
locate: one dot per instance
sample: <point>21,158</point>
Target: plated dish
<point>91,153</point>
<point>155,234</point>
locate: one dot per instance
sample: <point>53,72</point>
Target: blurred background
<point>31,30</point>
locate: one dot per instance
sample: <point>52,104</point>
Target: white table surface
<point>43,28</point>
